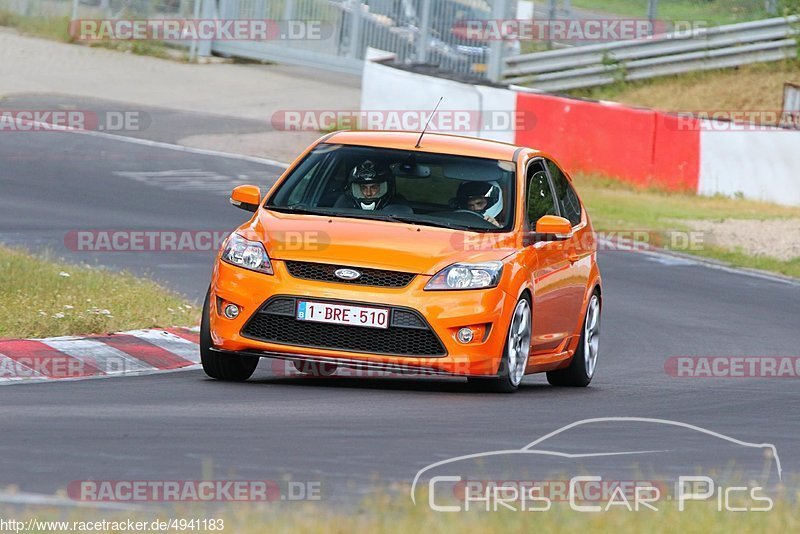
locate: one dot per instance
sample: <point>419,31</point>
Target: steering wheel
<point>475,213</point>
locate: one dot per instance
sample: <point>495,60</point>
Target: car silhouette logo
<point>347,274</point>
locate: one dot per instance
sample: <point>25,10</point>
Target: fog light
<point>465,335</point>
<point>231,311</point>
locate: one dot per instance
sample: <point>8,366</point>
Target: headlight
<point>467,276</point>
<point>247,254</point>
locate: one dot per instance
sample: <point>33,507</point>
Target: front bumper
<point>486,311</point>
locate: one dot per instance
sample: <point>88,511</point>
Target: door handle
<point>574,257</point>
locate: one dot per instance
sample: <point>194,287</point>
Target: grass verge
<point>56,28</point>
<point>40,297</point>
<point>758,87</point>
<point>616,206</point>
<point>393,515</point>
<point>712,11</point>
<point>50,27</point>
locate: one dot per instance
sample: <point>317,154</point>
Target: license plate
<point>324,312</point>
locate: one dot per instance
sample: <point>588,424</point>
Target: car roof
<point>431,142</point>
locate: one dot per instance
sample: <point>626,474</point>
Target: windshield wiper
<point>428,222</point>
<point>375,216</point>
<point>300,210</point>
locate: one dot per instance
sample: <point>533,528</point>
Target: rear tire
<point>226,367</point>
<point>515,354</point>
<point>584,362</point>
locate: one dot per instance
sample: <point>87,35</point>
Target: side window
<point>540,197</point>
<point>565,195</point>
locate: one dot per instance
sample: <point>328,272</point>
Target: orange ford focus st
<point>383,250</point>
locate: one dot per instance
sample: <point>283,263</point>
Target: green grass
<point>713,11</point>
<point>143,48</point>
<point>40,297</point>
<point>616,206</point>
<point>56,28</point>
<point>758,87</point>
<point>49,27</point>
<point>386,515</point>
<point>741,259</point>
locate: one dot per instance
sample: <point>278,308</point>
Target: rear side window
<point>540,196</point>
<point>566,197</point>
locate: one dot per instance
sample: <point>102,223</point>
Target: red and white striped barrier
<point>637,145</point>
<point>135,352</point>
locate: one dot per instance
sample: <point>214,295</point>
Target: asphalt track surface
<point>352,434</point>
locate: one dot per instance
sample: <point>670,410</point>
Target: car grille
<point>408,333</point>
<point>369,277</point>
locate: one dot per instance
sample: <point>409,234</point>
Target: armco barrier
<point>636,145</point>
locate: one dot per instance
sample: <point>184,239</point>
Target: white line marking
<point>153,144</point>
<point>188,180</point>
<point>54,500</point>
<point>696,260</point>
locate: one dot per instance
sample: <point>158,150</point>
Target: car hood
<point>377,244</point>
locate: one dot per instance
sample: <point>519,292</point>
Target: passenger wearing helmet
<point>370,186</point>
<point>483,198</point>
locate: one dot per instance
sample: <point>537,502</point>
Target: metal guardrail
<point>675,53</point>
<point>414,31</point>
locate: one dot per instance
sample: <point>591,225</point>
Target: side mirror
<point>551,224</point>
<point>246,197</point>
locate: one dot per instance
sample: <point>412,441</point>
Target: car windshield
<point>459,192</point>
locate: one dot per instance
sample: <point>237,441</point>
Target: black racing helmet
<point>369,172</point>
<point>489,190</point>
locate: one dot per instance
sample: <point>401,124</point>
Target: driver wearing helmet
<point>370,186</point>
<point>483,198</point>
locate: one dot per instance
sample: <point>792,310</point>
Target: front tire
<point>584,362</point>
<point>226,367</point>
<point>515,354</point>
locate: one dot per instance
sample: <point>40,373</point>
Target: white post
<point>193,46</point>
<point>424,32</point>
<point>652,10</point>
<point>494,69</point>
<point>209,11</point>
<point>552,14</point>
<point>355,28</point>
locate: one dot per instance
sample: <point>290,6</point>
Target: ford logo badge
<point>347,274</point>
